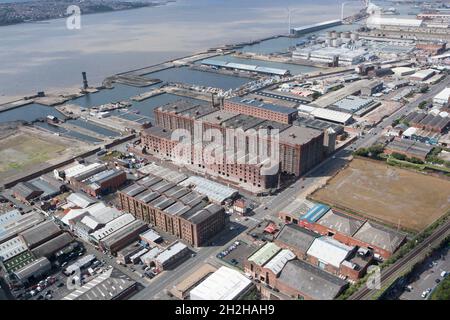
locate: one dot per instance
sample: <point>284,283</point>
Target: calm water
<point>118,93</point>
<point>194,77</point>
<point>47,56</point>
<point>29,112</point>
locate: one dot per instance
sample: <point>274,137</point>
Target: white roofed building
<point>328,253</point>
<point>224,284</point>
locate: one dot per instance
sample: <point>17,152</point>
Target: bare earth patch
<point>29,149</point>
<point>391,195</point>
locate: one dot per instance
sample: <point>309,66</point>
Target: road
<point>275,203</point>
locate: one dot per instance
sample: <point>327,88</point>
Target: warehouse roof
<point>15,225</point>
<point>198,216</point>
<point>8,218</point>
<point>12,248</point>
<point>113,226</point>
<point>262,105</point>
<point>277,263</point>
<point>132,228</point>
<point>35,235</point>
<point>26,190</point>
<point>150,235</point>
<point>416,148</point>
<point>223,284</point>
<point>296,237</point>
<point>311,281</point>
<point>163,173</point>
<point>264,254</point>
<point>340,222</point>
<point>218,117</point>
<point>296,135</point>
<point>444,95</point>
<point>214,191</point>
<point>80,200</point>
<point>148,181</point>
<point>38,265</point>
<point>107,286</point>
<point>329,251</point>
<point>150,255</point>
<point>179,106</point>
<point>315,213</point>
<point>50,247</point>
<point>379,236</point>
<point>170,252</point>
<point>331,115</point>
<point>298,207</point>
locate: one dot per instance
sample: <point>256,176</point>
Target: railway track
<point>387,274</point>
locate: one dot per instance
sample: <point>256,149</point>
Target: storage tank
<point>333,34</point>
<point>354,36</point>
<point>345,35</point>
<point>329,34</point>
<point>328,42</point>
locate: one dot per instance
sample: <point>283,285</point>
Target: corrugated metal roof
<point>315,213</point>
<point>264,254</point>
<point>277,263</point>
<point>329,251</point>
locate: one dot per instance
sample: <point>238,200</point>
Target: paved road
<point>275,203</point>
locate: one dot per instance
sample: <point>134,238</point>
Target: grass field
<point>23,151</point>
<point>387,194</point>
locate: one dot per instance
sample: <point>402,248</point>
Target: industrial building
<point>40,233</point>
<point>123,237</point>
<point>170,256</point>
<point>12,223</point>
<point>33,271</point>
<point>95,179</point>
<point>182,289</point>
<point>314,27</point>
<point>174,209</point>
<point>245,67</point>
<point>340,56</point>
<point>223,284</point>
<point>408,148</point>
<point>109,285</point>
<point>300,148</point>
<point>25,192</point>
<point>49,248</point>
<point>328,254</point>
<point>355,105</point>
<point>442,98</point>
<point>260,109</point>
<point>296,239</point>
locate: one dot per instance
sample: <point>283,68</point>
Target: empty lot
<point>388,194</point>
<point>29,149</point>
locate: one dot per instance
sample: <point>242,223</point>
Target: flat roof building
<point>260,109</point>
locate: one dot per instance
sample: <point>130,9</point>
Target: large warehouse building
<point>300,148</point>
<point>173,209</point>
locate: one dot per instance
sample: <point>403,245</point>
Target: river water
<point>48,56</point>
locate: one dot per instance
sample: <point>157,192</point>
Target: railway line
<point>391,271</point>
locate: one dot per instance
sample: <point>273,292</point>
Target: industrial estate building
<point>174,209</point>
<point>300,148</point>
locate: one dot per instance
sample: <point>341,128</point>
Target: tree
<point>398,156</point>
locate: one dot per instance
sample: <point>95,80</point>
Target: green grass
<point>442,292</point>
